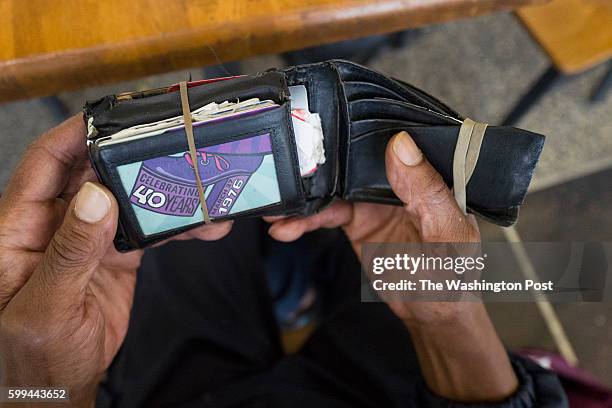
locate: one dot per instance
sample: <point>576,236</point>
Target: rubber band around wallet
<point>467,150</point>
<point>192,148</point>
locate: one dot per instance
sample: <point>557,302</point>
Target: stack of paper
<point>306,125</point>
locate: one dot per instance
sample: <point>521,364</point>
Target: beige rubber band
<point>192,148</point>
<point>467,151</point>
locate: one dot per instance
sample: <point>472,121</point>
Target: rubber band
<point>192,148</point>
<point>467,151</point>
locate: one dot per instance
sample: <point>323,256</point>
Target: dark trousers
<point>203,333</point>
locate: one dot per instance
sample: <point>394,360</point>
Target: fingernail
<point>406,150</point>
<point>92,203</point>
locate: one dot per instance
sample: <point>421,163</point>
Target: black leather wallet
<point>249,161</point>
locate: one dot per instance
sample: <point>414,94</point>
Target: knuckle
<point>434,188</point>
<point>71,248</point>
<point>428,195</point>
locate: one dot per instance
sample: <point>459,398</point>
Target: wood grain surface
<point>576,34</point>
<point>51,46</point>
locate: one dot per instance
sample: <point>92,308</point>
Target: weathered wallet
<point>258,148</point>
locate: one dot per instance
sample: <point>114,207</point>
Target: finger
<point>210,232</point>
<point>274,218</point>
<point>424,193</point>
<point>77,247</point>
<point>289,229</point>
<point>80,174</point>
<point>419,186</point>
<point>44,169</point>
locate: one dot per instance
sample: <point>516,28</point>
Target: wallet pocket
<point>321,83</point>
<point>355,90</point>
<point>350,72</point>
<point>381,108</point>
<point>363,127</point>
<point>248,167</point>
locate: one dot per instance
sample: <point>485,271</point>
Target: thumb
<point>82,240</point>
<point>415,182</point>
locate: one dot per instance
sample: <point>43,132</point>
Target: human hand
<point>430,214</point>
<point>65,292</point>
<point>470,367</point>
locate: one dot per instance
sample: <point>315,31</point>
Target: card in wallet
<point>237,176</point>
<point>285,142</point>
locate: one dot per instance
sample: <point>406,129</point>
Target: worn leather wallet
<point>259,151</point>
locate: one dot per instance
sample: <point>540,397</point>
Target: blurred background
<point>482,67</point>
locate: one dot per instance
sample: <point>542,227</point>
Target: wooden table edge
<point>50,73</point>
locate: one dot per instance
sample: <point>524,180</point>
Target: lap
<point>203,328</point>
